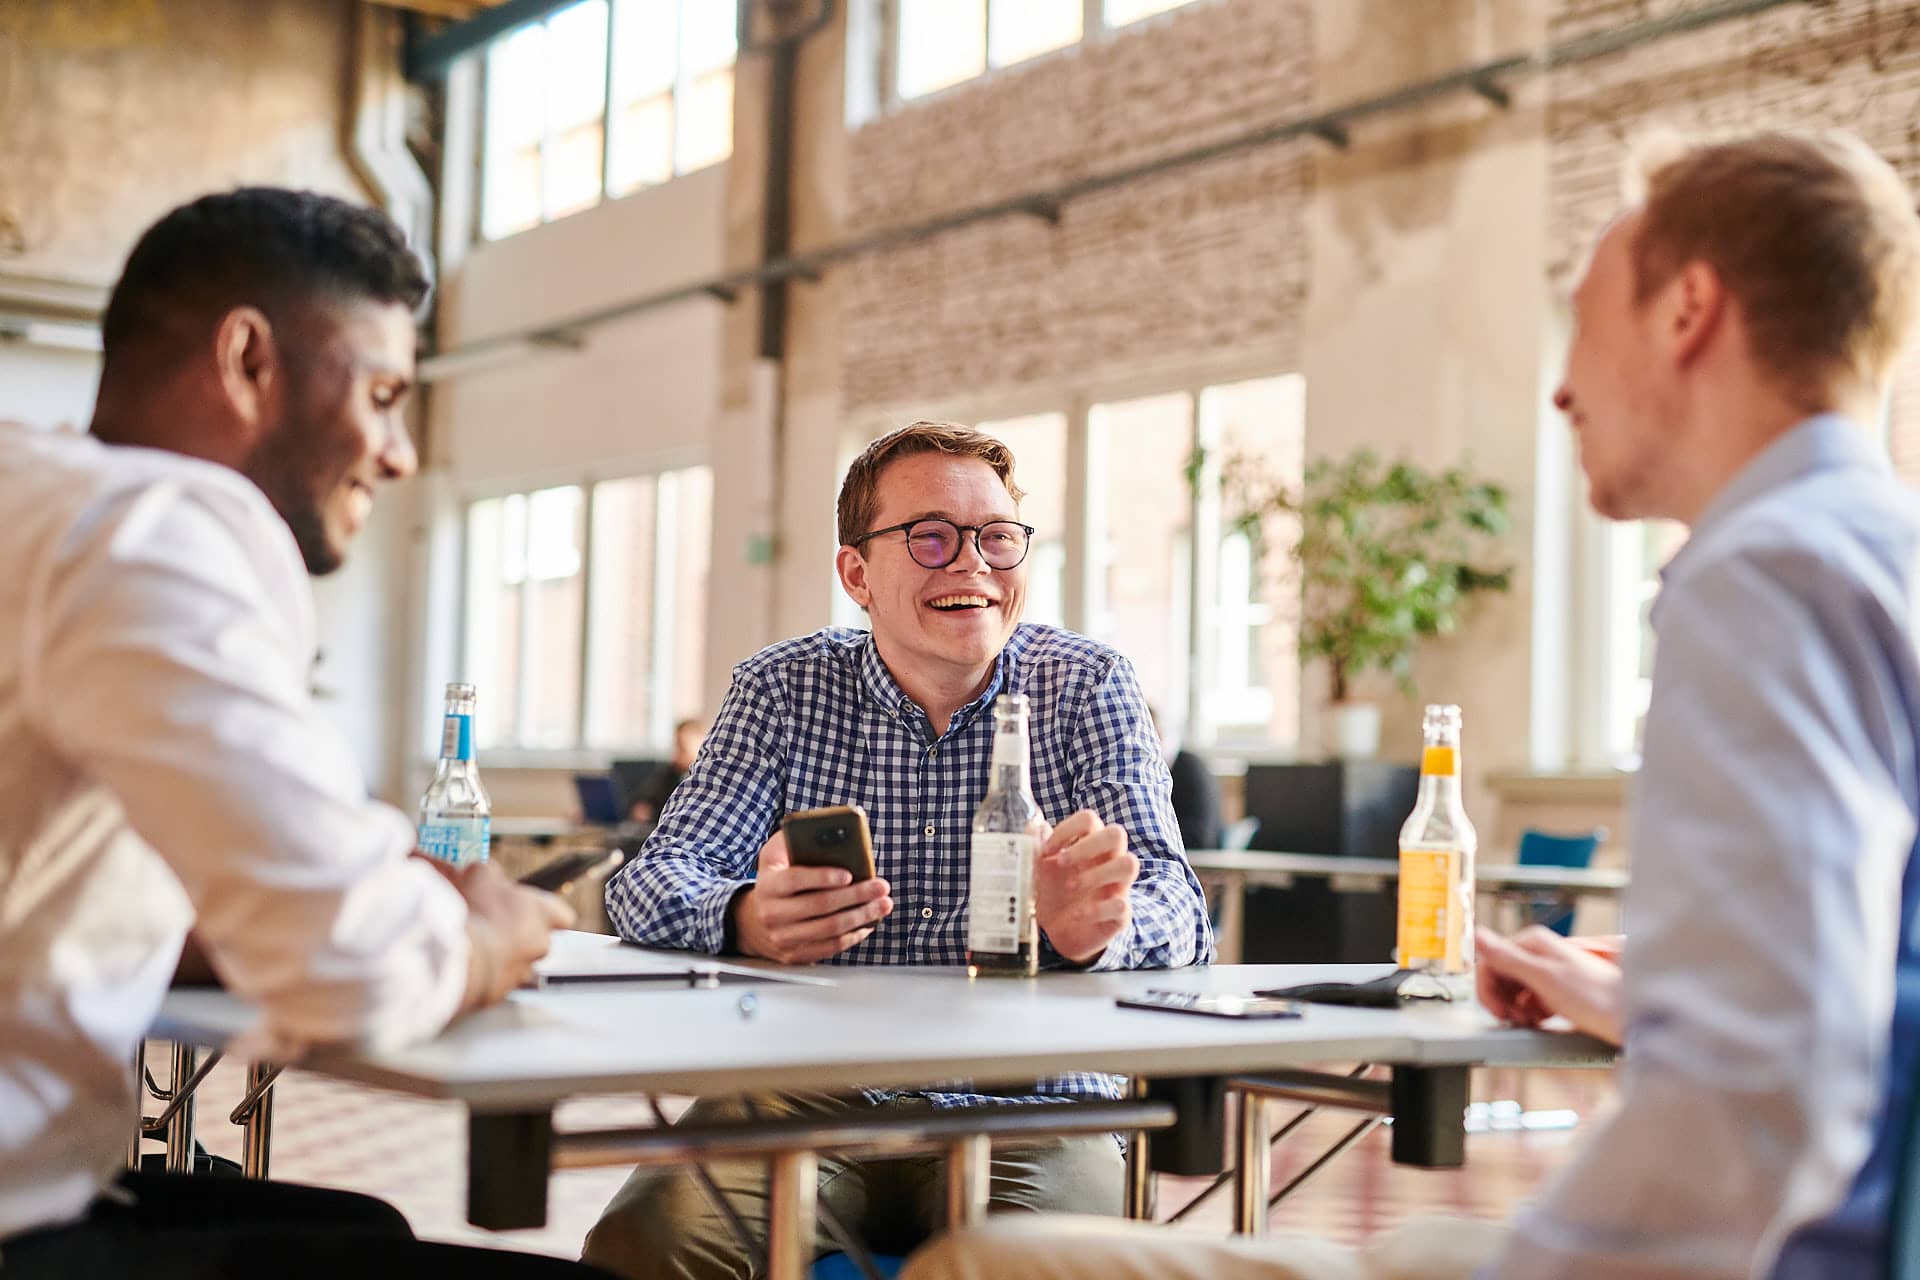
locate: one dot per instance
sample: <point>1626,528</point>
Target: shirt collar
<point>891,698</point>
<point>1824,442</point>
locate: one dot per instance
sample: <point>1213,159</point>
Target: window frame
<point>891,29</point>
<point>658,735</point>
<point>683,80</point>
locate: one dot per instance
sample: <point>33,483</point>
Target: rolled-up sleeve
<point>168,642</point>
<point>707,844</point>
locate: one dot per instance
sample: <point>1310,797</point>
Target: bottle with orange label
<point>1436,859</point>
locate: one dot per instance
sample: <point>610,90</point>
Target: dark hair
<point>257,246</point>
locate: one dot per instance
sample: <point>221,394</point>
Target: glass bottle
<point>1003,934</point>
<point>455,814</point>
<point>1437,847</point>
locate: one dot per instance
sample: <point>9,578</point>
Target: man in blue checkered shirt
<point>899,720</point>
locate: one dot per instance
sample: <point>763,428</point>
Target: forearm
<point>673,899</point>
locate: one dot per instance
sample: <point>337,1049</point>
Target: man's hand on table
<point>509,926</point>
<point>1081,885</point>
<point>1537,974</point>
<point>796,915</point>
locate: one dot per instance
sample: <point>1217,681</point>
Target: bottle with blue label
<point>455,814</point>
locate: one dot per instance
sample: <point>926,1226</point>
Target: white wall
<point>47,386</point>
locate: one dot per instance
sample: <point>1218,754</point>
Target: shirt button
<point>926,913</point>
<point>932,752</point>
<point>929,829</point>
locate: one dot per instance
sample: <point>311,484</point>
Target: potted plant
<point>1385,555</point>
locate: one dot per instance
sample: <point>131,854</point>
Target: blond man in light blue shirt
<point>1735,332</point>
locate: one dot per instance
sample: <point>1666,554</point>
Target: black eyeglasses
<point>935,544</point>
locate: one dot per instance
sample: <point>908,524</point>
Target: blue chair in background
<point>1540,849</point>
<point>838,1266</point>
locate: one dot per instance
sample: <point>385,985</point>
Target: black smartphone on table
<point>564,870</point>
<point>1214,1004</point>
<point>837,836</point>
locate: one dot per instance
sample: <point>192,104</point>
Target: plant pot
<point>1351,730</point>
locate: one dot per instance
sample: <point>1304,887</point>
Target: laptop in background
<point>600,800</point>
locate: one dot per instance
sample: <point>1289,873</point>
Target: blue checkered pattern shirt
<point>820,721</point>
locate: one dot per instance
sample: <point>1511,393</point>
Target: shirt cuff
<point>711,934</point>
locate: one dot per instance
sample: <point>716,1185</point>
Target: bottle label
<point>1439,762</point>
<point>1000,892</point>
<point>456,738</point>
<point>1432,927</point>
<point>460,841</point>
<point>1009,749</point>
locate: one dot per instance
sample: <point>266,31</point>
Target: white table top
<point>883,1027</point>
<point>1256,862</point>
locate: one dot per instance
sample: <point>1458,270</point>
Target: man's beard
<point>285,471</point>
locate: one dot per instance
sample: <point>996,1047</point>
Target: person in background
<point>1196,793</point>
<point>652,801</point>
<point>1734,339</point>
<point>163,766</point>
<point>899,720</point>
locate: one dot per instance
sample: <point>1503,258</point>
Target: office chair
<point>1540,849</point>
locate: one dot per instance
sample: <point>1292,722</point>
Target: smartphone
<point>564,870</point>
<point>1213,1004</point>
<point>832,837</point>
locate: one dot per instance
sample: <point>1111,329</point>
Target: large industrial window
<point>550,144</point>
<point>940,43</point>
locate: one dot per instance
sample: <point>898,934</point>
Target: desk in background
<point>1235,870</point>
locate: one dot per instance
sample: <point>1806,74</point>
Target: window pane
<point>1140,513</point>
<point>492,641</point>
<point>516,89</point>
<point>1022,29</point>
<point>644,45</point>
<point>576,65</point>
<point>1253,692</point>
<point>942,42</point>
<point>1039,445</point>
<point>1120,12</point>
<point>572,171</point>
<point>706,122</point>
<point>619,703</point>
<point>692,553</point>
<point>642,150</point>
<point>554,596</point>
<point>709,35</point>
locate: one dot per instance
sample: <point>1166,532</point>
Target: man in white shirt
<point>163,767</point>
<point>1734,339</point>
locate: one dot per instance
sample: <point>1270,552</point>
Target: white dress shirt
<point>162,765</point>
<point>1770,995</point>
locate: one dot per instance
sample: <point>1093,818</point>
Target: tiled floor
<point>412,1153</point>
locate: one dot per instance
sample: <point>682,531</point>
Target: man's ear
<point>252,375</point>
<point>851,567</point>
<point>1696,307</point>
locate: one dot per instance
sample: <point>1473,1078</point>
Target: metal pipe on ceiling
<point>1489,79</point>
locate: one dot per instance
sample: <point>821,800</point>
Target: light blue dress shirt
<point>1772,984</point>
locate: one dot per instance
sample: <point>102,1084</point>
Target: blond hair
<point>1813,234</point>
<point>860,491</point>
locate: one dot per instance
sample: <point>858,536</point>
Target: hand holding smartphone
<point>833,837</point>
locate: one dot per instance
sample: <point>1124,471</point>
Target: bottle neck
<point>456,739</point>
<point>1010,760</point>
<point>1440,776</point>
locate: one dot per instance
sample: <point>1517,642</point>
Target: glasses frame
<point>960,541</point>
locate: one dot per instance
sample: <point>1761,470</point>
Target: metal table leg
<point>180,1123</point>
<point>1251,1171</point>
<point>969,1180</point>
<point>795,1186</point>
<point>255,1115</point>
<point>1139,1206</point>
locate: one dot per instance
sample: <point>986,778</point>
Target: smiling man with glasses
<point>898,720</point>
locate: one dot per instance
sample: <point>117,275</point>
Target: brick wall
<point>1848,63</point>
<point>1200,260</point>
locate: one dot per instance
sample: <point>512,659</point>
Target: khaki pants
<point>662,1226</point>
<point>1092,1249</point>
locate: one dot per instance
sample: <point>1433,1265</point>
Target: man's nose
<point>398,459</point>
<point>1563,400</point>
